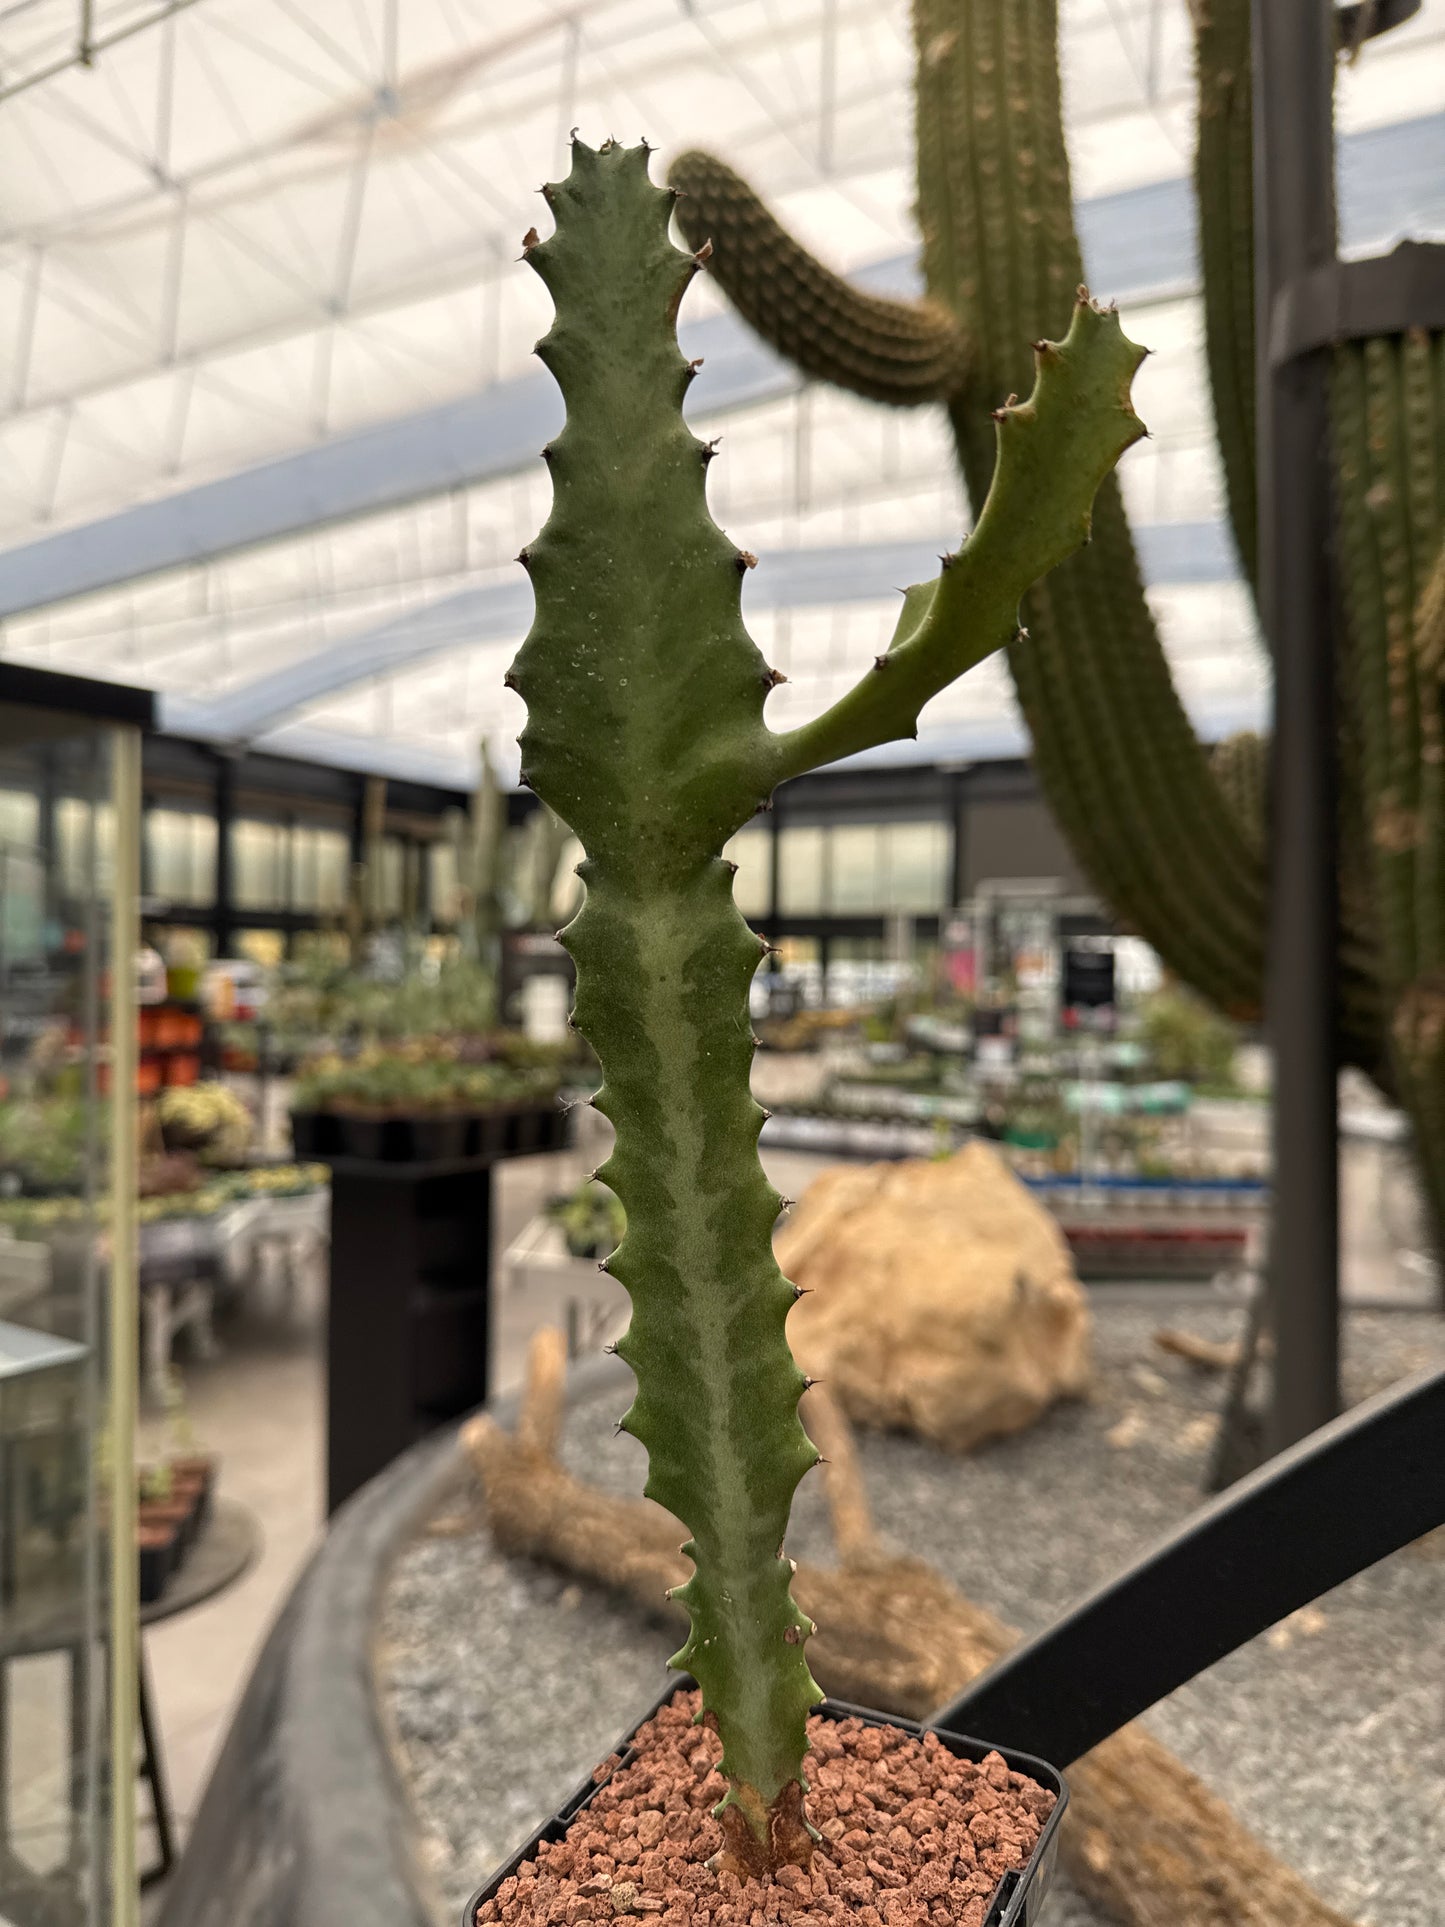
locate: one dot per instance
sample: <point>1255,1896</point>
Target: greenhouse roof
<point>269,433</point>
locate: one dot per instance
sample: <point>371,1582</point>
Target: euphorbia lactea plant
<point>646,733</point>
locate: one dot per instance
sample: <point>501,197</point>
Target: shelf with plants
<point>431,1100</point>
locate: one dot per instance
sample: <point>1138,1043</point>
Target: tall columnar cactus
<point>645,732</point>
<point>1388,410</point>
<point>1165,832</point>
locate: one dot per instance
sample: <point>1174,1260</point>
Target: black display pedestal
<point>409,1328</point>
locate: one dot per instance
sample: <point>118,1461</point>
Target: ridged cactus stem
<point>1388,412</point>
<point>1112,743</point>
<point>1224,190</point>
<point>645,732</point>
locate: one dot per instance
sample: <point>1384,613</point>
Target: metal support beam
<point>1295,236</point>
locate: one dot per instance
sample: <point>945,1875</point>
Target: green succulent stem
<point>1224,189</point>
<point>645,732</point>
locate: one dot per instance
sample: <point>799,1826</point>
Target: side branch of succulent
<point>645,732</point>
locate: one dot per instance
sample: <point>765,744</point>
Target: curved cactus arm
<point>902,352</point>
<point>1224,188</point>
<point>645,733</point>
<point>1053,451</point>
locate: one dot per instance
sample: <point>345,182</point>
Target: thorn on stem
<point>880,662</point>
<point>530,240</point>
<point>509,681</point>
<point>774,677</point>
<point>703,255</point>
<point>524,781</point>
<point>745,560</point>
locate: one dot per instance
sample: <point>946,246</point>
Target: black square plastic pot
<point>156,1564</point>
<point>1019,1898</point>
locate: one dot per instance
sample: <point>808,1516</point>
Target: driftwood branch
<point>1145,1837</point>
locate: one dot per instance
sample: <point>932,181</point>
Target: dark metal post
<point>1295,233</point>
<point>225,855</point>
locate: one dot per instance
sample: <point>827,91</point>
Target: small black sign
<point>1088,979</point>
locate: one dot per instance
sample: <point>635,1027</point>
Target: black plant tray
<point>474,1137</point>
<point>1019,1898</point>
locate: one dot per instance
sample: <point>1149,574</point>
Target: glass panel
<point>916,857</point>
<point>858,878</point>
<point>181,855</point>
<point>320,868</point>
<point>751,850</point>
<point>56,1453</point>
<point>802,880</point>
<point>77,857</point>
<point>258,859</point>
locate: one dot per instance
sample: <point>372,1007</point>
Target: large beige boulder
<point>942,1298</point>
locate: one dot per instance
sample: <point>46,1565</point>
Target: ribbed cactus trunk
<point>645,733</point>
<point>1388,407</point>
<point>1112,744</point>
<point>1224,189</point>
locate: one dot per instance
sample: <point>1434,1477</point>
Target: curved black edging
<point>304,1822</point>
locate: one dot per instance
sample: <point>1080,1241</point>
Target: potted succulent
<point>209,1119</point>
<point>590,1219</point>
<point>192,1471</point>
<point>645,733</point>
<point>163,1530</point>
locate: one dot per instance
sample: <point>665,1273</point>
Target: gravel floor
<point>506,1683</point>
